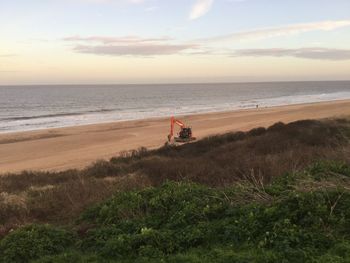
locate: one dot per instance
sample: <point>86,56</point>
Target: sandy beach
<point>76,147</point>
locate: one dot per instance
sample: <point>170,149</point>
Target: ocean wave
<point>55,115</point>
<point>122,107</point>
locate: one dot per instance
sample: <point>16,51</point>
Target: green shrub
<point>160,222</point>
<point>172,204</point>
<point>34,241</point>
<point>69,257</point>
<point>167,219</point>
<point>187,222</point>
<point>324,169</point>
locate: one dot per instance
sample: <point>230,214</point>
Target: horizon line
<point>171,83</point>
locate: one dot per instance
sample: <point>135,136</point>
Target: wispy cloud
<point>115,1</point>
<point>236,1</point>
<point>151,8</point>
<point>136,1</point>
<point>116,40</point>
<point>200,8</point>
<point>308,53</point>
<point>7,55</point>
<point>140,46</point>
<point>136,50</point>
<point>286,30</point>
<point>128,46</point>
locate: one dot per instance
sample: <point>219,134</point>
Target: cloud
<point>269,32</point>
<point>136,1</point>
<point>151,8</point>
<point>236,1</point>
<point>117,40</point>
<point>200,8</point>
<point>128,46</point>
<point>136,50</point>
<point>308,53</point>
<point>7,55</point>
<point>115,1</point>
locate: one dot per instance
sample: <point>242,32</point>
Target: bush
<point>167,219</point>
<point>186,222</point>
<point>184,202</point>
<point>178,216</point>
<point>70,257</point>
<point>34,241</point>
<point>324,169</point>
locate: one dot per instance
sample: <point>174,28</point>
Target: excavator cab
<point>185,134</point>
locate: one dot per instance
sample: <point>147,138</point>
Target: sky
<point>173,41</point>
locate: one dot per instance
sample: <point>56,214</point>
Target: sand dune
<point>76,147</point>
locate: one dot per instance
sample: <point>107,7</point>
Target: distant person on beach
<point>257,106</point>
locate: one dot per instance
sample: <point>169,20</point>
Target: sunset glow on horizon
<point>161,41</point>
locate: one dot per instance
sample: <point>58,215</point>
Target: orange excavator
<point>185,134</point>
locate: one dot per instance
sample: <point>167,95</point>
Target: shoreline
<point>57,149</point>
<point>168,116</point>
<point>111,114</point>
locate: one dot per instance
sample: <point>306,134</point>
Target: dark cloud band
<point>133,50</point>
<point>308,53</point>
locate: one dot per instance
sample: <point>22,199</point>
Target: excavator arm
<point>174,121</point>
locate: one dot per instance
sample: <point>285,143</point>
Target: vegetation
<point>301,217</point>
<point>280,194</point>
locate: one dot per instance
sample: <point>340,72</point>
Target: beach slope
<point>77,147</point>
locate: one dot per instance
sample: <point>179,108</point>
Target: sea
<point>24,108</point>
